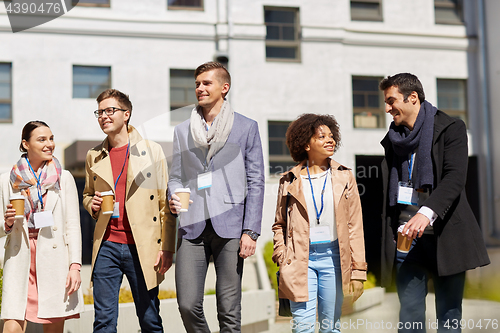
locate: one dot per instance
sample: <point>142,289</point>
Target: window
<point>279,155</point>
<point>185,4</point>
<point>366,10</point>
<point>452,97</point>
<point>282,39</point>
<point>182,94</point>
<point>448,11</point>
<point>90,81</point>
<point>92,3</point>
<point>5,92</point>
<point>367,102</point>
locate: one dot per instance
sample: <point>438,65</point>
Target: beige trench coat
<point>58,247</point>
<point>153,227</point>
<point>291,237</point>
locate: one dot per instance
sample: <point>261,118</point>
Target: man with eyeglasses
<point>138,238</point>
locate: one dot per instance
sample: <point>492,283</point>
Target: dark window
<point>185,4</point>
<point>90,81</point>
<point>367,103</point>
<point>282,38</point>
<point>452,97</point>
<point>279,155</point>
<point>448,11</point>
<point>92,3</point>
<point>182,95</point>
<point>5,92</point>
<point>366,10</point>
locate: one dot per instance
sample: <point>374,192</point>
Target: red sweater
<point>118,229</point>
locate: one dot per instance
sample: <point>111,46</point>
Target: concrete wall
<point>142,40</point>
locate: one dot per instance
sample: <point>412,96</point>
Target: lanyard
<point>312,193</point>
<point>38,185</point>
<point>410,167</point>
<point>123,166</point>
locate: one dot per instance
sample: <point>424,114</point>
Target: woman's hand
<point>356,289</point>
<point>73,281</point>
<point>10,216</point>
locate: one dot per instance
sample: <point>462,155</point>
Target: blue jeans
<point>114,260</point>
<point>325,289</point>
<point>413,272</point>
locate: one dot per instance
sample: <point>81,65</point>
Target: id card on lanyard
<point>43,218</point>
<point>407,195</point>
<point>318,234</point>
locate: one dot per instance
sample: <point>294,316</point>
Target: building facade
<point>286,57</point>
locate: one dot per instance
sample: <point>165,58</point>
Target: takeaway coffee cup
<point>404,243</point>
<point>107,202</point>
<point>183,194</point>
<point>17,202</point>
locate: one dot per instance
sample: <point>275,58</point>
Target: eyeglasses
<point>109,111</point>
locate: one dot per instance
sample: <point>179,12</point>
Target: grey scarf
<point>215,138</point>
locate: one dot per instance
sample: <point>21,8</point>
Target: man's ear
<point>413,98</point>
<point>225,88</point>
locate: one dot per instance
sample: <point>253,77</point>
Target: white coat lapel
<point>140,158</point>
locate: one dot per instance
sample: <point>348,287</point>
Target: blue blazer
<point>234,201</point>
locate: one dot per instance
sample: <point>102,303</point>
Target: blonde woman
<point>41,276</point>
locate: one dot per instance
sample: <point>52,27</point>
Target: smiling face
<point>322,145</point>
<point>209,89</point>
<point>40,146</point>
<point>403,112</point>
<point>115,123</point>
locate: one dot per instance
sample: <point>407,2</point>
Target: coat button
<point>95,178</point>
<point>154,218</point>
<point>143,153</point>
<point>54,228</point>
<point>159,241</point>
<point>54,246</point>
<point>148,174</point>
<point>152,197</point>
<point>289,261</point>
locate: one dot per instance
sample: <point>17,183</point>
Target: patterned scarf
<point>23,179</point>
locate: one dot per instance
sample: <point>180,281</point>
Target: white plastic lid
<point>16,197</point>
<point>103,194</point>
<point>400,229</point>
<point>181,190</point>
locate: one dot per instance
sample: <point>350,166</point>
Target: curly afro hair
<point>301,130</point>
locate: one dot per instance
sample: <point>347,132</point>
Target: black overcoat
<point>460,244</point>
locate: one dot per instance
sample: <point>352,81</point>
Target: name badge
<point>116,210</point>
<point>43,219</point>
<point>407,194</point>
<point>204,180</point>
<point>318,235</point>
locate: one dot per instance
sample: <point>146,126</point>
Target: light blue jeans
<point>325,290</point>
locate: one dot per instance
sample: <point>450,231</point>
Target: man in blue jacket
<point>424,171</point>
<point>217,154</point>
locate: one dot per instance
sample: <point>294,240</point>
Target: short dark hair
<point>406,84</point>
<point>28,129</point>
<point>301,130</point>
<point>223,75</point>
<point>120,97</point>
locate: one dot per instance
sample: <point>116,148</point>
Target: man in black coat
<point>424,174</point>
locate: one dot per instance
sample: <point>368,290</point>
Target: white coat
<point>58,247</point>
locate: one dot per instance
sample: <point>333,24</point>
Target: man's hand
<point>247,246</point>
<point>415,227</point>
<point>164,261</point>
<point>73,281</point>
<point>175,204</point>
<point>96,201</point>
<point>356,289</point>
